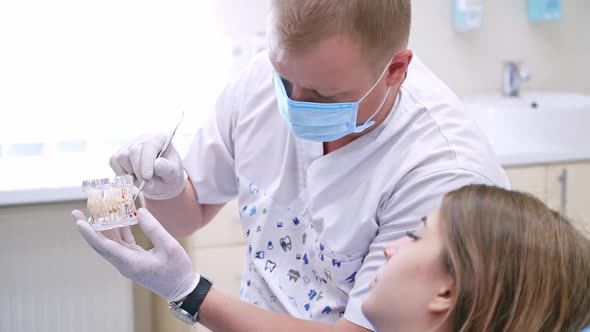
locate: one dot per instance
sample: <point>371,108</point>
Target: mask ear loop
<point>379,108</point>
<point>375,84</point>
<point>365,125</point>
<point>384,99</point>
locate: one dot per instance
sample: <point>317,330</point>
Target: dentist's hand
<point>164,176</point>
<point>165,270</point>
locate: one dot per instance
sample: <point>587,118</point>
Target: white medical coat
<point>316,224</point>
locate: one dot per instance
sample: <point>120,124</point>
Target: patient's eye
<point>412,235</point>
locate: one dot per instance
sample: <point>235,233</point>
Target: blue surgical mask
<point>322,122</point>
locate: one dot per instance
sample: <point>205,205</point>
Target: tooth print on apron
<point>287,269</point>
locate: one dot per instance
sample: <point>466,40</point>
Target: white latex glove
<point>165,270</point>
<point>164,176</point>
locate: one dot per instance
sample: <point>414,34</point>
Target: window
<point>78,79</point>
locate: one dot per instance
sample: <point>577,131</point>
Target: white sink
<point>537,123</point>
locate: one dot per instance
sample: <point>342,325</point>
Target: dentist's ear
<point>441,302</point>
<point>398,68</point>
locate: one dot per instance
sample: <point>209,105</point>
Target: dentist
<point>335,141</point>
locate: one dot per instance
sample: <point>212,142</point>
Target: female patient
<point>488,260</point>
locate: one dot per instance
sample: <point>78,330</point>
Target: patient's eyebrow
<point>424,220</point>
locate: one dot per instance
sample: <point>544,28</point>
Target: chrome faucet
<point>514,76</point>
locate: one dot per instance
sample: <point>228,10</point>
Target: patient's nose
<point>392,247</point>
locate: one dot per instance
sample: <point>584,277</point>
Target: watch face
<point>183,315</point>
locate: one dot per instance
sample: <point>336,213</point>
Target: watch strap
<point>195,299</point>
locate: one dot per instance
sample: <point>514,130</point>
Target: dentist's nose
<point>299,94</point>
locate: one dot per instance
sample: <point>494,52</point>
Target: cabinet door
<point>529,179</point>
<point>568,188</point>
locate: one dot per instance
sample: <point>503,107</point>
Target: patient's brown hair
<point>516,264</point>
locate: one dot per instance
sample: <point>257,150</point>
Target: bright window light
<point>80,78</point>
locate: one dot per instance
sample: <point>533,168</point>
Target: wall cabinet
<point>531,179</point>
<point>563,187</point>
<point>568,191</point>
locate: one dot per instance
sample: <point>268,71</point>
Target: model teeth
<point>109,203</point>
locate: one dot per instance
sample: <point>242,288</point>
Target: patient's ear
<point>441,302</point>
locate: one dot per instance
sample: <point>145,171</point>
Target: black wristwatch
<point>187,310</point>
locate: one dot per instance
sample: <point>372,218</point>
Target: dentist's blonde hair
<point>381,26</point>
<point>516,265</point>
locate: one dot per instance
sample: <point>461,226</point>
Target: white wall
<point>556,54</point>
<point>242,18</point>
